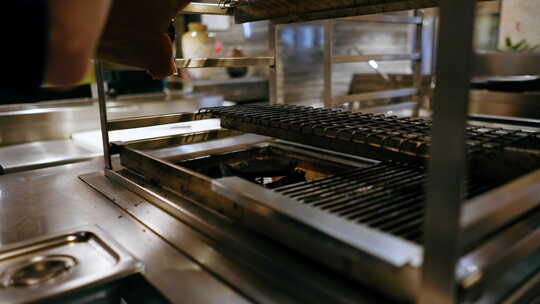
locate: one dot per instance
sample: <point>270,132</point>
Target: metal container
<point>53,265</point>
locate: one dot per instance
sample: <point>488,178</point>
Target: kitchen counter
<point>45,201</point>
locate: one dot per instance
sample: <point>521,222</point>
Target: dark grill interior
<point>388,196</point>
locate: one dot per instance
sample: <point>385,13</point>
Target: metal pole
<point>448,160</point>
<point>276,70</point>
<point>328,62</point>
<point>102,99</point>
<point>417,64</point>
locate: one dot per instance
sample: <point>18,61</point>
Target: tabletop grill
<point>365,220</point>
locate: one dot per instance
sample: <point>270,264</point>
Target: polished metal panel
<point>48,266</point>
<point>385,19</point>
<point>40,154</point>
<point>493,63</point>
<point>58,120</point>
<point>510,104</point>
<point>53,200</point>
<point>146,121</point>
<point>448,158</point>
<point>223,62</point>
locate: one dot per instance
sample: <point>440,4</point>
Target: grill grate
<point>388,196</point>
<point>362,132</point>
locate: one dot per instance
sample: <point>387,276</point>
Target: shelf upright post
<point>328,62</point>
<point>102,100</point>
<point>448,162</point>
<point>276,70</point>
<point>417,64</point>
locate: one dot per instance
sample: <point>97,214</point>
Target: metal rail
<point>385,57</point>
<point>223,62</point>
<point>448,162</point>
<point>153,120</point>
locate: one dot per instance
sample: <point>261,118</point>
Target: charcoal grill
<point>383,219</point>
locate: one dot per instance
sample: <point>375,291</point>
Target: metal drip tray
<point>46,267</point>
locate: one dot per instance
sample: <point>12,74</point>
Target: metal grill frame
<point>456,224</point>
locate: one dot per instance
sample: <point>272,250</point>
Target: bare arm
<point>75,27</point>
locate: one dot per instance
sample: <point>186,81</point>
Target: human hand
<point>74,30</point>
<point>136,35</point>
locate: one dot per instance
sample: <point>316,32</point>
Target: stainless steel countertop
<point>41,154</point>
<point>40,202</point>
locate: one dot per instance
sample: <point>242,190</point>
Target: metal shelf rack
<point>451,225</point>
<point>330,60</point>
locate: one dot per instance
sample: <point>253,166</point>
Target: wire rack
<point>389,196</point>
<point>401,135</point>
